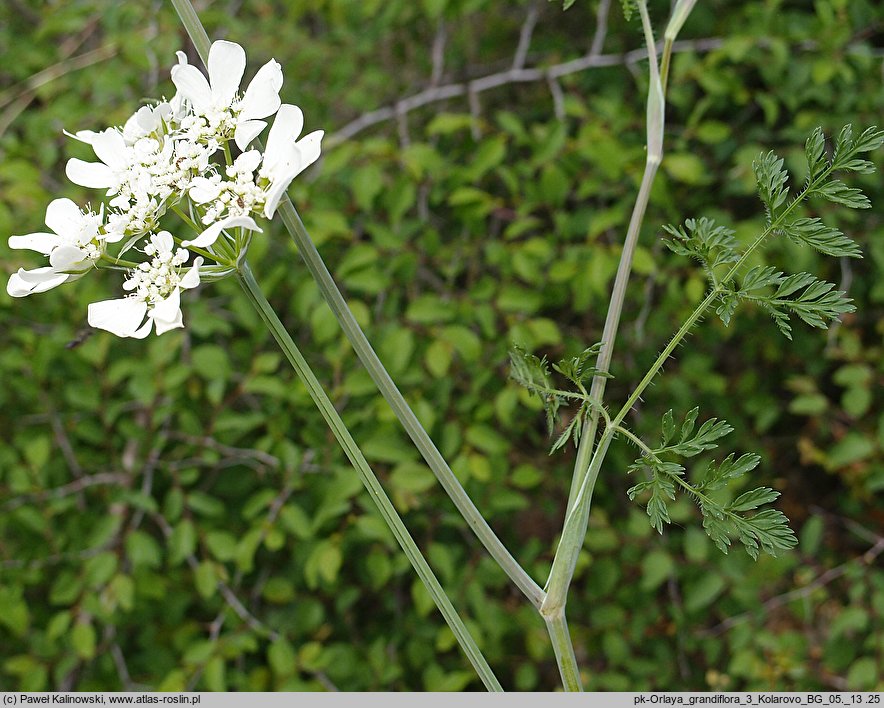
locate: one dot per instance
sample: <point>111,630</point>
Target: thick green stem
<point>612,323</point>
<point>372,485</point>
<point>557,626</point>
<point>332,295</point>
<point>655,123</point>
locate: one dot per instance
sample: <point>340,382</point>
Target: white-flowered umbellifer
<point>173,158</point>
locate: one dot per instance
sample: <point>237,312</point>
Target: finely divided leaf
<point>533,374</point>
<point>753,499</point>
<point>709,432</point>
<point>818,304</point>
<point>629,6</point>
<point>727,305</point>
<point>668,427</point>
<point>718,476</point>
<point>838,192</point>
<point>815,152</point>
<point>702,240</point>
<point>759,277</point>
<point>772,180</point>
<point>824,239</point>
<point>576,370</point>
<point>768,529</point>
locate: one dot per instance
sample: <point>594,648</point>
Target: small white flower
<point>145,121</point>
<point>211,234</point>
<point>110,173</point>
<point>156,293</point>
<point>218,109</point>
<point>76,242</point>
<point>238,196</point>
<point>285,156</point>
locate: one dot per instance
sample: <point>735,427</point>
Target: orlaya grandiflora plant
<point>173,157</point>
<point>166,158</point>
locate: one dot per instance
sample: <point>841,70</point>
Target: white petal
<point>132,129</point>
<point>306,152</point>
<point>261,98</point>
<point>274,194</point>
<point>94,175</point>
<point>247,131</point>
<point>203,190</point>
<point>69,258</point>
<point>110,148</point>
<point>29,282</point>
<point>192,277</point>
<point>286,128</point>
<point>64,217</point>
<point>121,202</point>
<point>166,314</point>
<point>121,317</point>
<point>40,242</point>
<point>164,326</point>
<point>192,85</point>
<point>84,136</point>
<point>248,161</point>
<point>227,62</point>
<point>210,235</point>
<point>112,236</point>
<point>309,148</point>
<point>164,242</point>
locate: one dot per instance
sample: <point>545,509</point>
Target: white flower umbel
<point>156,293</point>
<point>285,156</point>
<point>219,112</point>
<point>76,242</point>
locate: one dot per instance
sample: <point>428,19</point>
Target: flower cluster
<point>173,157</point>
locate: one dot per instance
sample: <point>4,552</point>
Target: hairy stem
<point>372,485</point>
<point>335,300</point>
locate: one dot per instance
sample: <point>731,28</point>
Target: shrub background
<point>174,514</point>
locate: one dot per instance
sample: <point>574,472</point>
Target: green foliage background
<point>174,514</point>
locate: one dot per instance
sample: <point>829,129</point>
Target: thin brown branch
<point>510,76</point>
<point>437,53</point>
<point>102,479</point>
<point>525,38</point>
<point>601,28</point>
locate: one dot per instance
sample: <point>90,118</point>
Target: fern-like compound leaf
<point>772,181</point>
<point>825,239</point>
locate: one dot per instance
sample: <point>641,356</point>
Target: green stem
<point>557,626</point>
<point>665,62</point>
<point>117,261</point>
<point>624,268</point>
<point>332,295</point>
<point>372,485</point>
<point>185,217</point>
<point>639,443</point>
